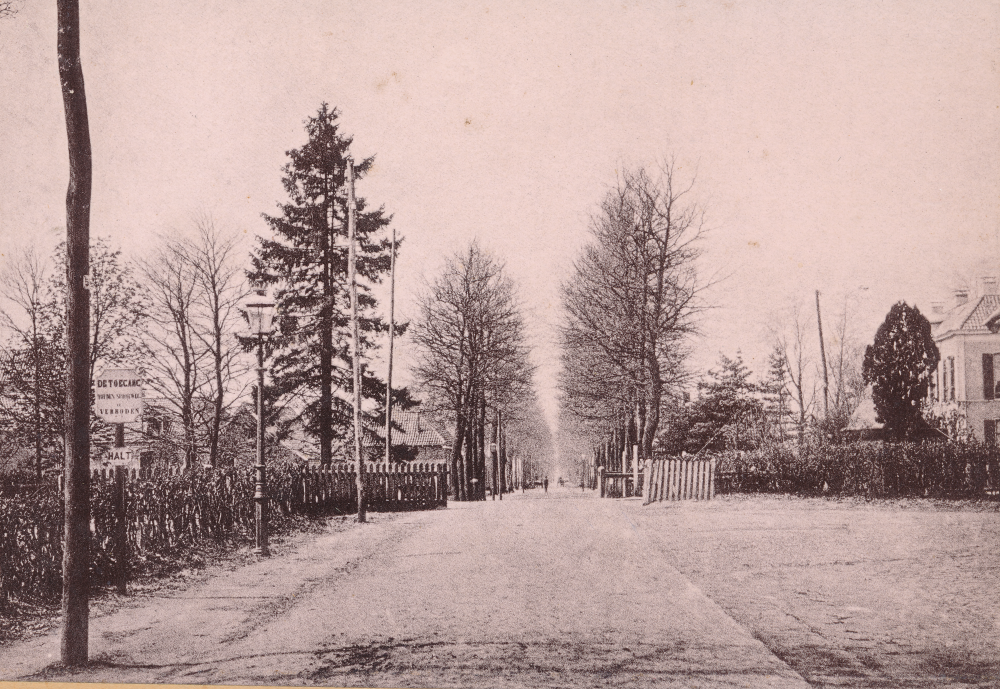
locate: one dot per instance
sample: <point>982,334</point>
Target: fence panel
<point>681,479</point>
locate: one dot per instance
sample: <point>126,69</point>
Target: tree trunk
<point>76,552</point>
<point>216,425</point>
<point>457,470</point>
<point>325,385</point>
<point>38,411</point>
<point>654,393</point>
<point>469,459</point>
<point>481,442</point>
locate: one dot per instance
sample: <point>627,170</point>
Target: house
<point>415,439</point>
<point>967,379</point>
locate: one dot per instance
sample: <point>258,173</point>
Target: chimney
<point>961,297</point>
<point>937,307</point>
<point>989,285</point>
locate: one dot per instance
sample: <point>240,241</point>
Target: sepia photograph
<point>527,344</point>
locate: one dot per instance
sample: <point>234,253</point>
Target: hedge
<point>165,516</point>
<point>867,469</point>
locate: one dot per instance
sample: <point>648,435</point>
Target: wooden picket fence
<point>141,518</point>
<point>680,479</point>
<point>391,488</point>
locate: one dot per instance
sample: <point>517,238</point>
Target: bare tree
<point>222,286</point>
<point>196,286</point>
<point>31,393</point>
<point>175,368</point>
<point>790,343</point>
<point>845,370</point>
<point>631,302</point>
<point>118,307</point>
<point>472,355</point>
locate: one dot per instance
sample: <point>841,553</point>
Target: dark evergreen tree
<point>307,261</point>
<point>728,409</point>
<point>898,366</point>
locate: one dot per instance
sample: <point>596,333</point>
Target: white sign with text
<point>118,396</point>
<point>127,457</point>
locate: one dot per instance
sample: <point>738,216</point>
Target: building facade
<point>967,379</point>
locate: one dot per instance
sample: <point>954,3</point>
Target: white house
<point>968,376</point>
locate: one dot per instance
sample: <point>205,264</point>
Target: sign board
<point>118,396</point>
<point>127,457</point>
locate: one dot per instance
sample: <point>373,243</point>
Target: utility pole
<point>392,333</point>
<point>822,356</point>
<point>353,279</point>
<point>76,544</point>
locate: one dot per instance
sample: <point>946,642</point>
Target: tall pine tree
<point>307,262</point>
<point>898,366</point>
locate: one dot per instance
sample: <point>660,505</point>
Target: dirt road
<point>894,593</point>
<point>556,590</point>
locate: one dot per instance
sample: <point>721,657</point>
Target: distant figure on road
<point>545,483</point>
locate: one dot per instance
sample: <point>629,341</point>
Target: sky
<point>847,147</point>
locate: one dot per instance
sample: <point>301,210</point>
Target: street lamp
<point>260,316</point>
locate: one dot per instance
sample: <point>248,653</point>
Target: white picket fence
<point>679,479</point>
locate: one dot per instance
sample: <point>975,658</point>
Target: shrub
<point>868,469</point>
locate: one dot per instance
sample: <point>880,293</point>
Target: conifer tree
<point>728,407</point>
<point>898,366</point>
<point>306,260</point>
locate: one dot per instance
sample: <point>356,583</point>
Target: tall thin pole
<point>352,277</point>
<point>822,355</point>
<point>392,333</point>
<point>76,548</point>
<point>260,479</point>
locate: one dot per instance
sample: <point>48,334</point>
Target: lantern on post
<point>260,310</point>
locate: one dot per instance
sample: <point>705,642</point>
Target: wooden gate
<point>679,479</point>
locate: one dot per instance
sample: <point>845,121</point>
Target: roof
<point>970,317</point>
<point>863,418</point>
<point>415,430</point>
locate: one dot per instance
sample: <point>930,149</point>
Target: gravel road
<point>538,590</point>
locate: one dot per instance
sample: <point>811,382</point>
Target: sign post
<point>118,400</point>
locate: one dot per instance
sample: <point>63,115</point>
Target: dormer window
<point>993,322</point>
<point>154,427</point>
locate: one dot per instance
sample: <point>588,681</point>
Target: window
<point>990,431</point>
<point>996,376</point>
<point>989,376</point>
<point>951,379</point>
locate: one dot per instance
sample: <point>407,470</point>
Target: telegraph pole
<point>352,278</point>
<point>822,356</point>
<point>76,548</point>
<point>392,333</point>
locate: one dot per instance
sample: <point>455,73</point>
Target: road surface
<point>538,590</point>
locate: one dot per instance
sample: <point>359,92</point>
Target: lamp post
<point>260,316</point>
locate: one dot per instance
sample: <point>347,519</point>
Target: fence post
<point>646,471</point>
<point>121,532</point>
<point>600,479</point>
<point>711,479</point>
